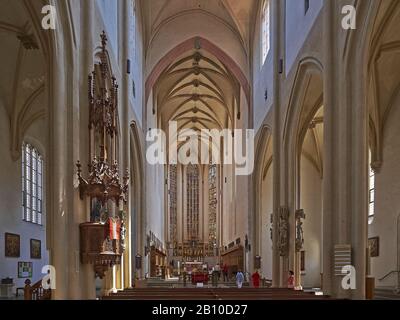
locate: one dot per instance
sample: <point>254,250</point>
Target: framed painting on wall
<point>373,244</point>
<point>25,269</point>
<point>36,249</point>
<point>12,245</point>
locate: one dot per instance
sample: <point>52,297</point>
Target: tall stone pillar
<point>68,118</point>
<point>330,214</point>
<point>82,282</point>
<point>124,14</point>
<point>358,131</point>
<point>345,161</point>
<point>57,158</point>
<point>276,136</point>
<point>359,167</point>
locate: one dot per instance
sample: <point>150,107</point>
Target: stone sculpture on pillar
<point>283,231</point>
<point>299,229</point>
<point>271,219</point>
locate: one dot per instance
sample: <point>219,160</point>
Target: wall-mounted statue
<point>123,236</point>
<point>108,245</point>
<point>96,211</point>
<point>271,220</point>
<point>283,231</point>
<point>299,229</point>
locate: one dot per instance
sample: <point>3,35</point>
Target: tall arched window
<point>32,184</point>
<point>173,219</point>
<point>265,31</point>
<point>192,195</point>
<point>212,205</point>
<point>132,29</point>
<point>371,194</point>
<point>132,46</point>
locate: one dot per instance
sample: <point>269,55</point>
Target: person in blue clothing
<point>239,278</point>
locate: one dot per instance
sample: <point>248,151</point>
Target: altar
<point>198,277</point>
<point>197,270</point>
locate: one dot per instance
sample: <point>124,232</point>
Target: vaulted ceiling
<point>22,70</point>
<point>237,14</point>
<point>312,148</point>
<point>198,92</point>
<point>197,89</point>
<point>384,82</point>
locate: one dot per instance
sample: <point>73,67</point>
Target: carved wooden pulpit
<point>102,240</point>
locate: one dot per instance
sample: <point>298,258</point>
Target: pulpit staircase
<point>36,291</point>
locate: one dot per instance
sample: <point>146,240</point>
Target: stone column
<point>358,131</point>
<point>83,280</point>
<point>57,158</point>
<point>124,15</point>
<point>345,161</point>
<point>275,31</point>
<point>330,213</point>
<point>67,144</point>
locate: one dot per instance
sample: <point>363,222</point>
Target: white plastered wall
<point>311,202</point>
<point>387,204</point>
<point>10,200</point>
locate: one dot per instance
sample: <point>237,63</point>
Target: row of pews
<point>212,294</point>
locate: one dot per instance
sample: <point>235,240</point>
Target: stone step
<point>386,293</point>
<point>212,294</point>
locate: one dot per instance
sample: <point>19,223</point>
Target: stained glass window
<point>192,196</point>
<point>173,219</point>
<point>212,205</point>
<point>265,30</point>
<point>371,195</point>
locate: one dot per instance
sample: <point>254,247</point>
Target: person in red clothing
<point>225,272</point>
<point>256,279</point>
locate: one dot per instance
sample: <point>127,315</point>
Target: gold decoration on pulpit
<point>104,188</point>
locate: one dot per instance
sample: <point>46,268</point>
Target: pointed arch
<point>138,223</point>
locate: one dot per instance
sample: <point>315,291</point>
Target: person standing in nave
<point>218,270</point>
<point>291,280</point>
<point>239,278</point>
<point>225,272</point>
<point>256,279</point>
